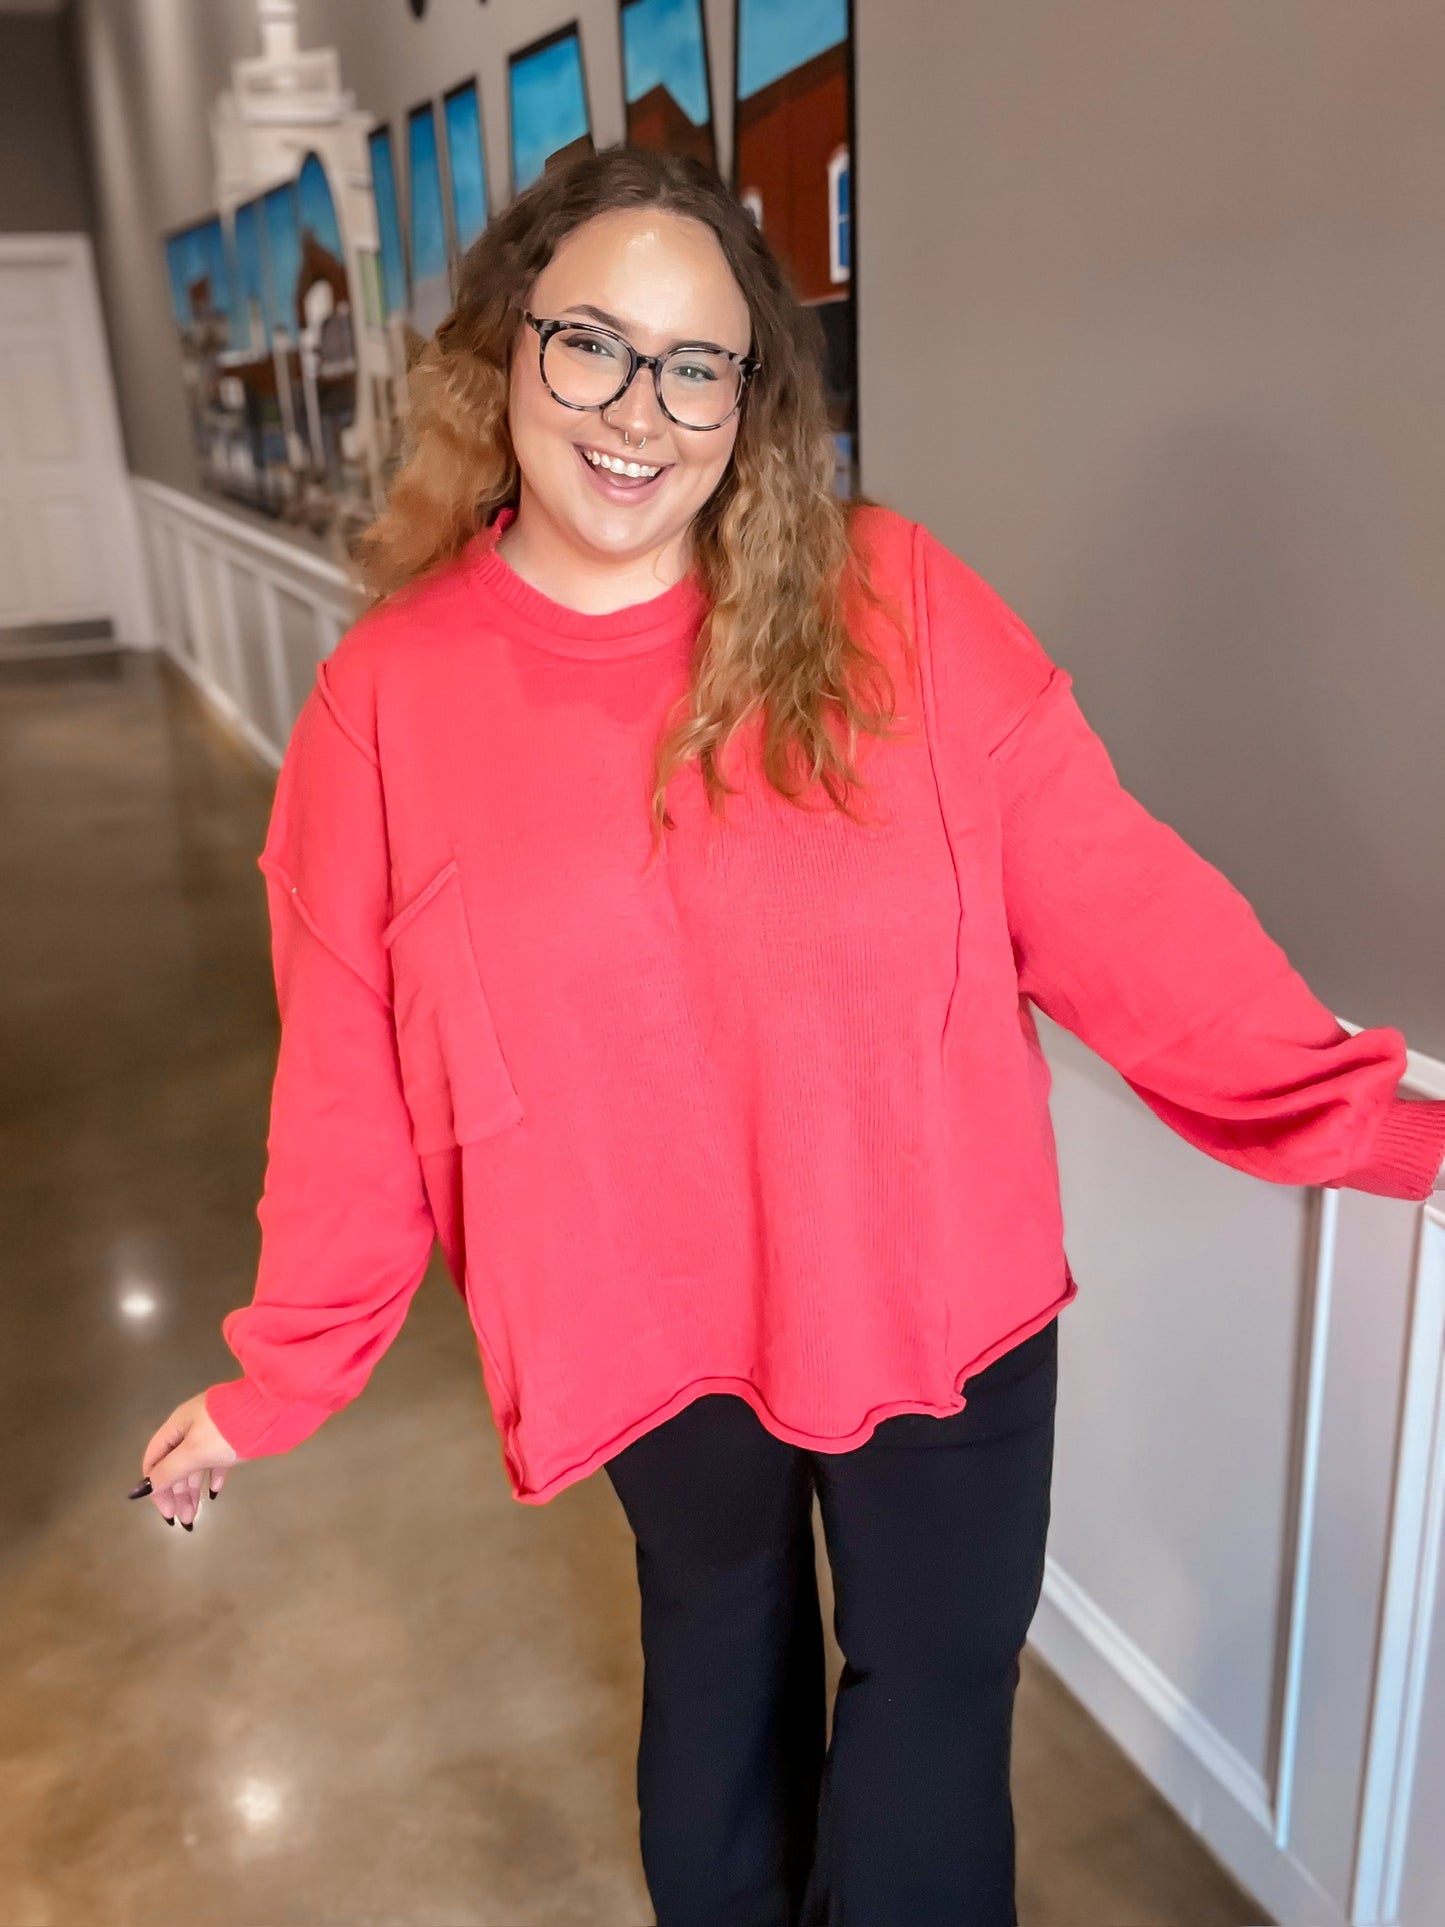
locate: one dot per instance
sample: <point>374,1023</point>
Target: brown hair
<point>772,544</point>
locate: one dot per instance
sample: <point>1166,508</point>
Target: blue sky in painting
<point>465,164</point>
<point>283,248</point>
<point>549,106</point>
<point>388,220</point>
<point>428,218</point>
<point>200,251</point>
<point>774,36</point>
<point>318,210</point>
<point>662,41</point>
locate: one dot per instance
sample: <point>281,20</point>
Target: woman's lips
<point>620,488</point>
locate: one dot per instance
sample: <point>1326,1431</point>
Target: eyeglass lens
<point>587,368</point>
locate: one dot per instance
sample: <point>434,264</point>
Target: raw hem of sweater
<point>780,1429</point>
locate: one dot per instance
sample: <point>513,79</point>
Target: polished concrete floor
<point>369,1687</point>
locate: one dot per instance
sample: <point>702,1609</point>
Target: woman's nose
<point>636,409</point>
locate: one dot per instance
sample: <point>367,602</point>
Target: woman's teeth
<point>618,467</point>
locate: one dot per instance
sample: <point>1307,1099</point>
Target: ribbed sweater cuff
<point>1404,1155</point>
<point>256,1424</point>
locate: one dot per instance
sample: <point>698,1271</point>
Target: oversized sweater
<point>767,1115</point>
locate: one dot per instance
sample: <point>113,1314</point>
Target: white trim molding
<point>1412,1580</point>
<point>1246,1816</point>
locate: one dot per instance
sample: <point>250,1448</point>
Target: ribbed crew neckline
<point>675,614</point>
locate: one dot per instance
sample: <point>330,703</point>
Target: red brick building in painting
<point>792,169</point>
<point>789,134</point>
<point>656,120</point>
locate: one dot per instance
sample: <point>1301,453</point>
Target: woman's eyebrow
<point>620,327</point>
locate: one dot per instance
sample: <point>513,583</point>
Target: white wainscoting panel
<point>245,612</point>
<point>1322,1798</point>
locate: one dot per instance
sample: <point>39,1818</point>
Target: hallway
<point>370,1687</point>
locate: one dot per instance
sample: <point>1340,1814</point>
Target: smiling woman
<point>741,1159</point>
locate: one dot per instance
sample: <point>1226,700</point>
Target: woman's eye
<point>693,370</point>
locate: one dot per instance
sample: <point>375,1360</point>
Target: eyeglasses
<point>586,367</point>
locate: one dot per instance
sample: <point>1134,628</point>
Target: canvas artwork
<point>431,293</point>
<point>390,284</point>
<point>792,169</point>
<point>665,78</point>
<point>267,346</point>
<point>202,301</point>
<point>466,163</point>
<point>549,104</point>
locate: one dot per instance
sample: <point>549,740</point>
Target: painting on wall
<point>243,449</point>
<point>325,335</point>
<point>466,163</point>
<point>249,308</point>
<point>204,292</point>
<point>431,293</point>
<point>665,78</point>
<point>390,256</point>
<point>792,168</point>
<point>268,349</point>
<point>548,98</point>
<point>200,276</point>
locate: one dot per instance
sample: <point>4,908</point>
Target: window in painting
<point>840,217</point>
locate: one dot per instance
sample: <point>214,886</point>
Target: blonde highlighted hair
<point>772,545</point>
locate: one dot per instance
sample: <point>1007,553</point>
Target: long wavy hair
<point>772,544</point>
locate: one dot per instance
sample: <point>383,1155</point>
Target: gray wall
<point>1185,267</point>
<point>43,188</point>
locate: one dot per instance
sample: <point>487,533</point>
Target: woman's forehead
<point>648,269</point>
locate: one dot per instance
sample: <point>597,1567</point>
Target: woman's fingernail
<point>142,1490</point>
<point>213,1495</point>
<point>189,1528</point>
<point>168,1519</point>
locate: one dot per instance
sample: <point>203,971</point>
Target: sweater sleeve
<point>346,1230</point>
<point>1130,939</point>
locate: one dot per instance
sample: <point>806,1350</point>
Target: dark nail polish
<point>168,1519</point>
<point>212,1495</point>
<point>142,1491</point>
<point>189,1528</point>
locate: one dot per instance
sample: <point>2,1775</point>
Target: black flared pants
<point>935,1531</point>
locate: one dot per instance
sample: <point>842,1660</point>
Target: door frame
<point>72,253</point>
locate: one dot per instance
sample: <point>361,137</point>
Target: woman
<point>658,874</point>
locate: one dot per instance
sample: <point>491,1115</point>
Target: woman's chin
<point>620,531</point>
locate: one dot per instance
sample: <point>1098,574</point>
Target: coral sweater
<point>768,1116</point>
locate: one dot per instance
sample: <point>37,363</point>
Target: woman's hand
<point>185,1450</point>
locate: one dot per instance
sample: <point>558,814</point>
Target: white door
<point>68,545</point>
